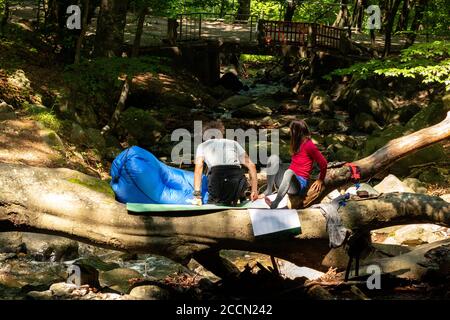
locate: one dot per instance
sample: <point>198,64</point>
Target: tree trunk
<point>342,19</point>
<point>47,201</point>
<point>110,28</point>
<point>61,202</point>
<point>384,157</point>
<point>5,17</point>
<point>290,10</point>
<point>358,14</point>
<point>119,108</point>
<point>83,32</point>
<point>243,12</point>
<point>390,26</point>
<point>139,31</point>
<point>404,17</point>
<point>223,9</point>
<point>417,21</point>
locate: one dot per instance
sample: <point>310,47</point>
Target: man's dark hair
<point>216,124</point>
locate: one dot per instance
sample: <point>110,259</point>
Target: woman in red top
<point>294,180</point>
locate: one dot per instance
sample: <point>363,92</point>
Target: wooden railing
<point>312,35</point>
<point>196,26</point>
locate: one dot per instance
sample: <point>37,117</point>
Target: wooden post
<point>172,26</point>
<point>200,27</point>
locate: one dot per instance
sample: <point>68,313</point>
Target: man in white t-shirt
<point>226,179</point>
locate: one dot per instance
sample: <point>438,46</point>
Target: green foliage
<point>45,116</point>
<point>139,123</point>
<point>429,62</point>
<point>103,75</point>
<point>255,58</point>
<point>269,10</point>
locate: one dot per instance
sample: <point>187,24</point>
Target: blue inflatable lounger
<point>146,184</point>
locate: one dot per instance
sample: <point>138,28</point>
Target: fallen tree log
<point>70,204</point>
<point>383,158</point>
<point>62,202</point>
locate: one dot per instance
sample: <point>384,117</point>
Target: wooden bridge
<point>197,40</point>
<point>253,31</point>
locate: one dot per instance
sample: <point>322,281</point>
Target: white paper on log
<point>266,221</point>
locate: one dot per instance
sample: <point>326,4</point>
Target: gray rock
<point>321,102</point>
<point>292,271</point>
<point>344,153</point>
<point>253,110</point>
<point>50,248</point>
<point>366,123</point>
<point>77,134</point>
<point>405,113</point>
<point>95,139</point>
<point>272,104</point>
<point>332,126</point>
<point>62,289</point>
<point>85,115</point>
<point>236,102</point>
<point>11,242</point>
<point>428,116</point>
<point>52,139</point>
<point>433,175</point>
<point>119,279</point>
<point>392,184</point>
<point>37,295</point>
<point>373,102</point>
<point>415,184</point>
<point>149,292</point>
<point>343,139</point>
<point>97,263</point>
<point>417,234</point>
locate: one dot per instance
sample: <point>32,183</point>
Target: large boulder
<point>373,102</point>
<point>392,184</point>
<point>343,139</point>
<point>332,126</point>
<point>39,246</point>
<point>406,112</point>
<point>119,279</point>
<point>253,110</point>
<point>236,101</point>
<point>149,292</point>
<point>417,234</point>
<point>415,184</point>
<point>366,123</point>
<point>320,102</point>
<point>428,116</point>
<point>344,153</point>
<point>77,134</point>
